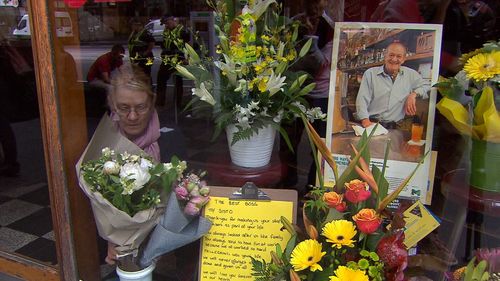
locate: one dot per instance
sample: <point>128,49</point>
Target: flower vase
<point>254,152</point>
<point>145,274</point>
<point>484,167</point>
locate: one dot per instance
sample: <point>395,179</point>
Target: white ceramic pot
<point>254,152</point>
<point>145,274</point>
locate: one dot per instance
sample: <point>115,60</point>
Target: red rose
<point>335,200</point>
<point>367,220</point>
<point>357,191</point>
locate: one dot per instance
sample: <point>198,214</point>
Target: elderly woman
<point>131,102</point>
<point>132,109</point>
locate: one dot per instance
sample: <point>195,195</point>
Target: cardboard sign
<point>419,223</point>
<point>242,229</point>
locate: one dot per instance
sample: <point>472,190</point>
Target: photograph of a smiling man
<point>381,77</point>
<point>389,92</point>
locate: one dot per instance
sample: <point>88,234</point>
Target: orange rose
<point>357,191</point>
<point>367,220</point>
<point>334,200</point>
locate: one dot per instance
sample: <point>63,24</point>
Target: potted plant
<point>249,83</point>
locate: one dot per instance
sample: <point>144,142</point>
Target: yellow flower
<point>482,67</point>
<point>265,38</point>
<point>259,67</point>
<point>262,86</point>
<point>344,273</point>
<point>307,254</point>
<point>340,233</point>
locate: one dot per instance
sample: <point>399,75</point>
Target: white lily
<point>275,83</point>
<point>203,93</point>
<point>184,72</point>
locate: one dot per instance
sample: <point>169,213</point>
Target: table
<point>221,171</point>
<point>399,148</point>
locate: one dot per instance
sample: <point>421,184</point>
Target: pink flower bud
<point>182,193</point>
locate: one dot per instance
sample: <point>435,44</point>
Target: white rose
<point>167,166</point>
<point>111,168</point>
<point>134,171</point>
<point>146,164</point>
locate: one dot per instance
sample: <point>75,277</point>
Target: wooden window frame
<point>74,228</point>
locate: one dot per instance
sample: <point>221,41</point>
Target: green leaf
<point>297,83</point>
<point>450,88</point>
<point>383,184</point>
<point>285,137</point>
<point>323,275</point>
<point>305,48</point>
<point>290,246</point>
<point>333,214</point>
<point>372,241</point>
<point>192,54</point>
<point>307,89</point>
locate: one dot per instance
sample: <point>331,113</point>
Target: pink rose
<point>182,193</point>
<point>191,209</point>
<point>194,206</point>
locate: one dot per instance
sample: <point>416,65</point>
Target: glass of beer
<point>417,130</point>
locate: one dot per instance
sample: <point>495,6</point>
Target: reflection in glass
<point>25,217</point>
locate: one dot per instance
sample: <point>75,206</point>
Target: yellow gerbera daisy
<point>343,273</point>
<point>482,67</point>
<point>307,254</point>
<point>340,233</point>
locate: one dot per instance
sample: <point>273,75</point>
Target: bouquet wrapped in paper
<point>128,192</point>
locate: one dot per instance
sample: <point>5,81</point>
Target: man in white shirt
<point>387,93</point>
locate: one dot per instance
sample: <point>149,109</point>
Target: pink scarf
<point>148,141</point>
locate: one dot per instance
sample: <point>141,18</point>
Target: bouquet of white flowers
<point>130,195</point>
<point>131,183</point>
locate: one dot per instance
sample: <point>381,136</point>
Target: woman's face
<point>134,109</point>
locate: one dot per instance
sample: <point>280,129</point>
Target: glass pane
<point>95,39</point>
<point>25,217</point>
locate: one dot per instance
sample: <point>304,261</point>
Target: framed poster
<point>382,73</point>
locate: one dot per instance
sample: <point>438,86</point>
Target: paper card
<point>419,223</point>
<point>242,229</point>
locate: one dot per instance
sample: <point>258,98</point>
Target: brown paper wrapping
<point>112,224</point>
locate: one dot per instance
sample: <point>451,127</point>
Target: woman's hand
<point>111,257</point>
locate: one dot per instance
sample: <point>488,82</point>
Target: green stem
<point>364,241</point>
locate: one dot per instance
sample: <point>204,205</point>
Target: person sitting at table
<point>387,93</point>
<point>99,74</point>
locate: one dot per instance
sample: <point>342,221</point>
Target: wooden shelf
<point>410,58</point>
<point>385,36</point>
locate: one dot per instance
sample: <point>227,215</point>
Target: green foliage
<point>104,176</point>
<point>250,83</point>
<point>260,270</point>
<point>477,272</point>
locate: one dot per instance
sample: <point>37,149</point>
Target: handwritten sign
<point>241,229</point>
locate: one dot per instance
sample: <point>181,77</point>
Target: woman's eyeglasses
<point>126,110</point>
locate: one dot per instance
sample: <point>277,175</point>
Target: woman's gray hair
<point>132,78</point>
